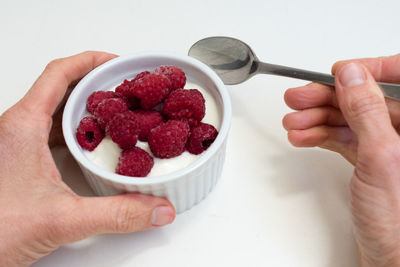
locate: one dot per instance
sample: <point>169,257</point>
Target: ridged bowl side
<point>183,193</point>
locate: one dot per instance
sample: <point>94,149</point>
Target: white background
<point>274,205</point>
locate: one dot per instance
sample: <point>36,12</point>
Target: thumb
<point>119,214</point>
<point>363,104</point>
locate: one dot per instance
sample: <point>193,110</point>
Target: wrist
<point>380,261</point>
<point>22,244</point>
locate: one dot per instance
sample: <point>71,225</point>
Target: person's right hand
<point>355,120</point>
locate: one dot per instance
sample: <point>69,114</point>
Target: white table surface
<point>274,205</point>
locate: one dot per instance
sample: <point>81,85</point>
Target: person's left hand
<point>38,211</point>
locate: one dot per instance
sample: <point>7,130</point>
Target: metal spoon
<point>235,62</point>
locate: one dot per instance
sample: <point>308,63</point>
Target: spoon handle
<point>390,90</point>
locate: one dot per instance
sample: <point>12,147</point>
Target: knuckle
<point>129,217</point>
<point>55,64</point>
<point>21,114</point>
<point>89,52</point>
<point>366,103</point>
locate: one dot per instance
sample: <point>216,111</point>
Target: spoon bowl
<point>235,62</point>
<point>231,59</point>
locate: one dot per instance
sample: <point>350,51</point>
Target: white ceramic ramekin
<point>184,188</point>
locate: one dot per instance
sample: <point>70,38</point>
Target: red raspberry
<point>132,102</point>
<point>134,162</point>
<point>96,97</point>
<point>201,137</point>
<point>123,129</point>
<point>123,90</point>
<point>140,76</point>
<point>108,108</point>
<point>148,119</point>
<point>126,85</point>
<point>168,140</point>
<point>151,89</point>
<point>89,133</point>
<point>184,104</point>
<point>174,74</point>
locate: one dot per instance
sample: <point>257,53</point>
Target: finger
<point>309,118</point>
<point>309,96</point>
<point>337,139</point>
<point>317,136</point>
<point>384,69</point>
<point>119,214</point>
<point>48,90</point>
<point>363,104</point>
<point>394,111</point>
<point>56,136</point>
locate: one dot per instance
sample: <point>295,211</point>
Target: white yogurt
<point>107,152</point>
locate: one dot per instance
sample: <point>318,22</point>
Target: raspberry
<point>151,89</point>
<point>134,162</point>
<point>123,129</point>
<point>168,140</point>
<point>201,137</point>
<point>108,108</point>
<point>174,74</point>
<point>123,87</point>
<point>183,104</point>
<point>96,97</point>
<point>89,133</point>
<point>123,90</point>
<point>131,101</point>
<point>148,119</point>
<point>140,76</point>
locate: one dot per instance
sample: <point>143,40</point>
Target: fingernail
<point>352,75</point>
<point>162,215</point>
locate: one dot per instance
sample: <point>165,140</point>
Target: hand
<point>38,212</point>
<point>355,120</point>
